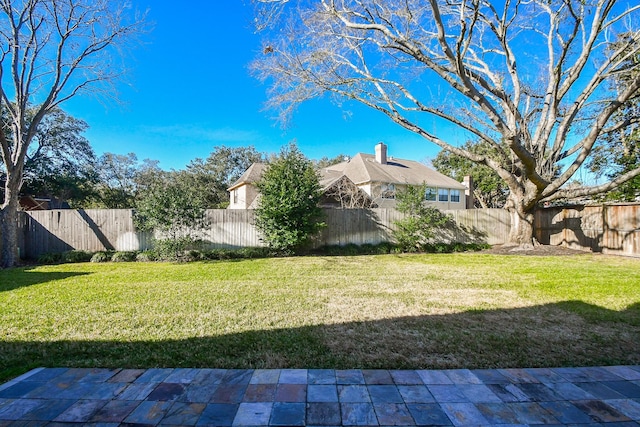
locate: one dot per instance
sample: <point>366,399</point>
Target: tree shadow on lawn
<point>570,333</point>
<point>14,278</point>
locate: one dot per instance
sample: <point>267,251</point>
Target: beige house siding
<point>243,197</point>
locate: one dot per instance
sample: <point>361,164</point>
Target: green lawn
<point>386,311</point>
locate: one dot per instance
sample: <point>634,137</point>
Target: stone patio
<point>593,396</point>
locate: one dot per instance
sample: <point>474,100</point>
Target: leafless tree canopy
<point>535,79</point>
<point>51,51</point>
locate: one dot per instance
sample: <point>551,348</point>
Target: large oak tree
<point>50,52</point>
<point>538,81</point>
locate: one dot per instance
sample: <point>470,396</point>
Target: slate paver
<point>393,414</point>
<point>377,377</point>
<point>415,394</point>
<point>291,393</point>
<point>508,393</point>
<point>532,413</point>
<point>260,393</point>
<point>434,377</point>
<point>447,393</point>
<point>81,411</point>
<point>569,391</point>
<point>462,376</point>
<point>49,409</point>
<point>21,389</point>
<point>600,411</point>
<point>228,393</point>
<point>157,375</point>
<point>322,393</point>
<point>288,414</point>
<point>478,393</point>
<point>600,391</point>
<point>624,372</point>
<point>490,376</point>
<point>218,414</point>
<point>148,412</point>
<point>58,397</point>
<point>97,375</point>
<point>518,376</point>
<point>575,375</point>
<point>358,414</point>
<point>183,414</point>
<point>293,376</point>
<point>597,373</point>
<point>464,414</point>
<point>352,376</point>
<point>114,411</point>
<point>321,376</point>
<point>44,375</point>
<point>405,377</point>
<point>167,392</point>
<point>545,375</point>
<point>539,392</point>
<point>353,394</point>
<point>127,375</point>
<point>209,376</point>
<point>566,413</point>
<point>323,414</point>
<point>237,377</point>
<point>137,391</point>
<point>628,407</point>
<point>384,394</point>
<point>253,414</point>
<point>265,376</point>
<point>625,388</point>
<point>428,414</point>
<point>198,393</point>
<point>182,376</point>
<point>498,413</point>
<point>15,409</point>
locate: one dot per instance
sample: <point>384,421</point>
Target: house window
<point>455,196</point>
<point>388,191</point>
<point>430,194</point>
<point>235,196</point>
<point>443,194</point>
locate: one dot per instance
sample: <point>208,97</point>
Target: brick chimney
<point>381,153</point>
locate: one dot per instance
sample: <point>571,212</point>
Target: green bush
<point>77,256</point>
<point>146,256</point>
<point>50,258</point>
<point>124,256</point>
<point>103,256</point>
<point>175,249</point>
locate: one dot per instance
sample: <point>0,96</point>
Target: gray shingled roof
<point>250,176</point>
<point>363,168</point>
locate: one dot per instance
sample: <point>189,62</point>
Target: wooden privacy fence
<point>113,229</point>
<point>610,229</point>
<point>613,229</point>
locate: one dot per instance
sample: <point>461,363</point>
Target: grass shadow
<point>570,333</point>
<point>15,278</point>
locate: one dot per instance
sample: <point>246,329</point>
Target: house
<point>369,180</point>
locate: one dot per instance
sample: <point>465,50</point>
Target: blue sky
<point>190,90</point>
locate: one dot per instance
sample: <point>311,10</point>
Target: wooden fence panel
<point>609,229</point>
<point>621,234</point>
<point>91,230</point>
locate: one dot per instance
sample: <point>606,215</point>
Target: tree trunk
<point>521,233</point>
<point>9,246</point>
